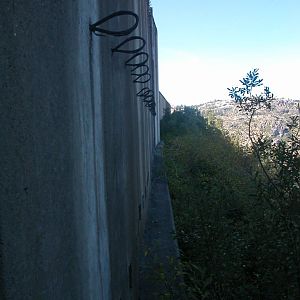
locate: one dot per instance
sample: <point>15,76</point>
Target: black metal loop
<point>132,38</point>
<point>146,94</point>
<point>153,112</point>
<point>94,27</point>
<point>143,89</point>
<point>148,101</point>
<point>143,73</point>
<point>150,104</point>
<point>127,62</point>
<point>141,93</point>
<point>141,76</point>
<point>151,107</point>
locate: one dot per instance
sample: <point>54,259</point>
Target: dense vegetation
<point>236,214</point>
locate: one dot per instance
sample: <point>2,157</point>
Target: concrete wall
<point>76,151</point>
<point>129,141</point>
<point>164,105</point>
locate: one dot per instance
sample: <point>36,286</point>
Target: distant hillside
<point>237,229</point>
<point>234,122</point>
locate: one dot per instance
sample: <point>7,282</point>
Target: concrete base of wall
<point>159,254</point>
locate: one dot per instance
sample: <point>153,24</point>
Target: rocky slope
<point>273,123</point>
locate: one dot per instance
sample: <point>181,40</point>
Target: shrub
<point>238,234</point>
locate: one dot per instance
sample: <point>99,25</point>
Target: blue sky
<point>207,46</point>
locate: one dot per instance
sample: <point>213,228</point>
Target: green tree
<point>279,162</point>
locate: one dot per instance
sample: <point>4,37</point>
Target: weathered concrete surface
<point>159,254</point>
<point>129,141</point>
<point>164,106</point>
<point>75,155</point>
<point>51,180</point>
